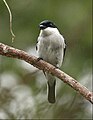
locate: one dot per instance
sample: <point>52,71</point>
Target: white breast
<point>51,46</point>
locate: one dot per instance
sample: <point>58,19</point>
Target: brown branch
<point>42,65</point>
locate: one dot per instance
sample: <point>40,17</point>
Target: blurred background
<point>23,88</point>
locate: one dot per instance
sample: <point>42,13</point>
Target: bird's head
<point>45,24</point>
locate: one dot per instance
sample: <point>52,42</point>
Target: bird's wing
<point>37,44</point>
<point>65,46</point>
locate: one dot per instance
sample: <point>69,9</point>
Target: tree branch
<point>42,65</point>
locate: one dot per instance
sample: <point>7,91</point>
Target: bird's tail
<point>51,93</point>
<point>51,88</point>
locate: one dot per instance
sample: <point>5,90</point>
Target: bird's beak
<point>42,27</point>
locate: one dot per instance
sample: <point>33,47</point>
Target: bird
<point>51,48</point>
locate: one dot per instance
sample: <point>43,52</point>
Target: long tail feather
<point>51,92</point>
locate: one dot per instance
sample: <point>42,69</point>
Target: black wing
<point>36,45</point>
<point>64,49</point>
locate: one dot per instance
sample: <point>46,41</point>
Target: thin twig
<point>10,18</point>
<point>8,51</point>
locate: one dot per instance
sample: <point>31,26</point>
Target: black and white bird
<point>51,48</point>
